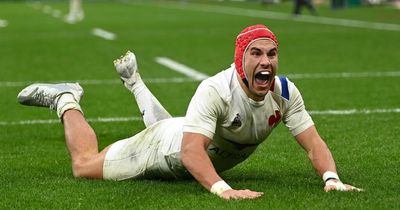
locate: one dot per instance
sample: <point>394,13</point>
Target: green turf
<point>35,166</point>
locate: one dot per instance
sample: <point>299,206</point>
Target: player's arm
<point>195,159</point>
<point>322,160</point>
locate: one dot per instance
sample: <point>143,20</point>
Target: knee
<point>84,169</point>
<point>78,169</point>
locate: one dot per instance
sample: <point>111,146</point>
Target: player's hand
<point>339,186</point>
<point>240,194</point>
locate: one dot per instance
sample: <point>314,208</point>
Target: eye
<point>271,53</point>
<point>255,52</point>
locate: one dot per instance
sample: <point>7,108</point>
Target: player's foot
<point>80,15</point>
<point>58,97</point>
<point>75,17</point>
<point>127,69</point>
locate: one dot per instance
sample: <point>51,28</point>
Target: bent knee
<point>88,168</point>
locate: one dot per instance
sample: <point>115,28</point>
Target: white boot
<point>58,97</point>
<point>127,69</point>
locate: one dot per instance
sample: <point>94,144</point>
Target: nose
<point>265,61</point>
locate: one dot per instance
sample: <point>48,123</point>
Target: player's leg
<point>297,7</point>
<point>79,14</point>
<point>310,6</point>
<point>151,109</point>
<point>80,138</point>
<point>144,156</point>
<point>82,145</point>
<point>75,12</point>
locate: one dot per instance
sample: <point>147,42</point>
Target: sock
<point>66,102</point>
<point>151,109</point>
<point>74,7</point>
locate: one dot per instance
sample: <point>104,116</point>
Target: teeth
<point>265,73</point>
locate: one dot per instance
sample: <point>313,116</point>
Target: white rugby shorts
<point>147,154</point>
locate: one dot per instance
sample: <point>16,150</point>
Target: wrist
<point>219,187</point>
<point>329,175</point>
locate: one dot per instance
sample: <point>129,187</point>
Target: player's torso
<point>243,125</point>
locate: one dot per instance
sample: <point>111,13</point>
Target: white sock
<point>151,109</point>
<point>66,102</point>
<point>74,6</point>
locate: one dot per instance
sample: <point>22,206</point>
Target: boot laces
<point>45,98</point>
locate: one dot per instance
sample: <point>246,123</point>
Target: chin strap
<point>244,79</point>
<point>245,82</point>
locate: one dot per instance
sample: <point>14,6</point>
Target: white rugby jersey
<point>236,124</point>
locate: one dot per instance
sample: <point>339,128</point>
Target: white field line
<point>56,13</point>
<point>47,9</point>
<point>127,119</point>
<point>3,23</point>
<point>104,34</point>
<point>55,121</point>
<point>178,67</point>
<point>353,111</point>
<point>36,5</point>
<point>344,75</point>
<point>101,82</point>
<point>283,16</point>
<point>186,80</point>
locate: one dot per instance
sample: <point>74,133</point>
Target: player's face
<point>260,65</point>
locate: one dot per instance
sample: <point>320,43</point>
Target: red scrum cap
<point>244,39</point>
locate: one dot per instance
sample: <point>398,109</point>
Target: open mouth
<point>262,77</point>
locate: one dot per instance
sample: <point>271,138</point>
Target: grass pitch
<point>35,46</point>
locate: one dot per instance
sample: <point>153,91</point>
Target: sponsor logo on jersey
<point>225,154</point>
<point>237,121</point>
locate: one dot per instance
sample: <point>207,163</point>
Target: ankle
<point>67,102</point>
<point>137,84</point>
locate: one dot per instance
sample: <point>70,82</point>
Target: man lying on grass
<point>230,114</point>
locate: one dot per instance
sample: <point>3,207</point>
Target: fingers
<point>241,194</point>
<point>339,186</point>
<point>329,188</point>
<point>334,185</point>
<point>352,188</point>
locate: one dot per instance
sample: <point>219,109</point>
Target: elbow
<point>193,149</point>
<point>185,156</point>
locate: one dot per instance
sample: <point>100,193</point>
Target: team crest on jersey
<point>237,121</point>
<point>273,120</point>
